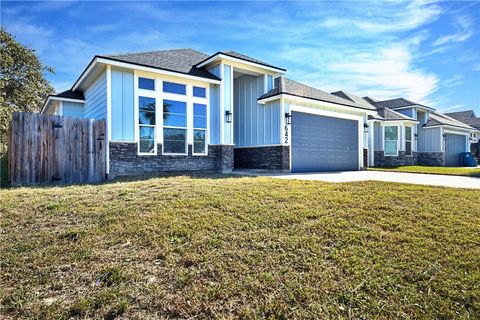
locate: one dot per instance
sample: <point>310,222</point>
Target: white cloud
<point>455,80</point>
<point>464,30</point>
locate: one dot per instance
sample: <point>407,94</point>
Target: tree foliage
<point>23,86</point>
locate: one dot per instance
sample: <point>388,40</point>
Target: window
<point>174,127</point>
<point>391,141</point>
<point>269,83</point>
<point>199,128</point>
<point>145,83</point>
<point>199,92</point>
<point>408,141</point>
<point>177,88</point>
<point>146,125</point>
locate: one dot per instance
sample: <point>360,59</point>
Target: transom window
<point>199,128</point>
<point>174,127</point>
<point>147,84</point>
<point>199,92</point>
<point>408,141</point>
<point>391,140</point>
<point>171,87</point>
<point>146,125</point>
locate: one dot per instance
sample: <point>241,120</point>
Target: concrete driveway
<point>351,176</point>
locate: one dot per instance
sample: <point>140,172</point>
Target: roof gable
<point>177,60</point>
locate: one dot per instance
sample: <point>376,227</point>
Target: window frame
<point>409,139</point>
<point>185,95</point>
<point>149,90</point>
<point>198,129</point>
<point>385,140</point>
<point>138,126</point>
<point>175,127</point>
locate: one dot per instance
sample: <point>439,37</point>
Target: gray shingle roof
<point>397,103</point>
<point>354,98</point>
<point>467,117</point>
<point>298,89</point>
<point>386,114</point>
<point>438,119</point>
<point>370,100</point>
<point>176,60</point>
<point>69,94</point>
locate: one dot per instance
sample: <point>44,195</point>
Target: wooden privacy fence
<point>46,149</point>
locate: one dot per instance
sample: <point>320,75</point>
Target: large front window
<point>408,141</point>
<point>174,127</point>
<point>146,125</point>
<point>391,141</point>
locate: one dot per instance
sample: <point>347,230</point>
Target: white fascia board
<point>467,134</point>
<point>127,65</point>
<point>447,127</point>
<point>49,99</point>
<point>229,58</point>
<point>314,101</point>
<point>389,122</point>
<point>415,106</point>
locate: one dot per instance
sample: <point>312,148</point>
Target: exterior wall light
<point>416,136</point>
<point>288,118</point>
<point>365,127</point>
<point>444,136</point>
<point>228,116</point>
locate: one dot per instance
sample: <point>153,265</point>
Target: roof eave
<point>221,55</point>
<point>296,97</point>
<point>52,97</point>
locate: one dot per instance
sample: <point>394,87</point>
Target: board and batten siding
<point>429,140</point>
<point>410,112</point>
<point>72,109</point>
<point>96,99</point>
<point>123,113</point>
<point>254,124</point>
<point>215,108</point>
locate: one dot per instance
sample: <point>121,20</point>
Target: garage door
<point>454,146</point>
<point>321,143</point>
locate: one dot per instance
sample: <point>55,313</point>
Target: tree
<point>23,86</point>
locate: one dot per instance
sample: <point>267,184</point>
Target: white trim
<point>248,63</point>
<point>53,98</point>
<point>415,106</point>
<point>449,127</point>
<point>60,108</point>
<point>127,65</point>
<point>222,106</point>
<point>314,101</point>
<point>109,116</point>
<point>332,114</point>
<point>398,140</point>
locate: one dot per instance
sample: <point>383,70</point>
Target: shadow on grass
<point>140,177</point>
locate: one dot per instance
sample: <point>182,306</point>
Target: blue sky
<point>426,51</point>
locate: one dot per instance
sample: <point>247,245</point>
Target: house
<point>469,117</point>
<point>177,110</point>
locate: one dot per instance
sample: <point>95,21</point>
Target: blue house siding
<point>429,140</point>
<point>214,114</point>
<point>72,109</point>
<point>123,113</point>
<point>410,112</point>
<point>96,99</point>
<point>377,136</point>
<point>227,101</point>
<point>254,124</point>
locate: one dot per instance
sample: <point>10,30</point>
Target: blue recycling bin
<point>468,159</point>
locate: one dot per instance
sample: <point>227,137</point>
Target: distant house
<point>469,117</point>
<point>179,110</point>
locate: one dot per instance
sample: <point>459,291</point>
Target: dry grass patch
<point>180,247</point>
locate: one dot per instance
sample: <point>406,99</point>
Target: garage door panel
<point>454,146</point>
<point>322,143</point>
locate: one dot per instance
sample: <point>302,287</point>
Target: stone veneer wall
<point>436,159</point>
<point>365,158</point>
<point>124,160</point>
<point>394,161</point>
<point>270,157</point>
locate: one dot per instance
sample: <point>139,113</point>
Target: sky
<point>425,51</point>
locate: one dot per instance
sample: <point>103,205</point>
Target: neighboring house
<point>469,117</point>
<point>179,110</point>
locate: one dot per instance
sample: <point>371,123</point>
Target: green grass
<point>184,247</point>
<point>473,172</point>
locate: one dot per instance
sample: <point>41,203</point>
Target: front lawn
<point>240,247</point>
<point>473,172</point>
